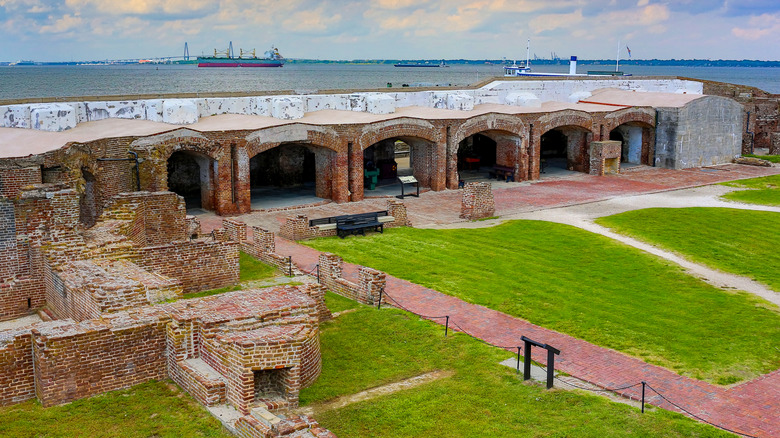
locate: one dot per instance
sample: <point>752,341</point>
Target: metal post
<point>446,325</point>
<point>643,396</point>
<point>518,360</point>
<point>379,307</point>
<point>526,360</point>
<point>289,263</point>
<point>550,368</point>
<point>318,273</point>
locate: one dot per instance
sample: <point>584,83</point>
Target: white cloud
<point>64,24</point>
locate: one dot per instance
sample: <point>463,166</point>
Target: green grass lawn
<point>585,285</point>
<point>369,348</point>
<point>765,190</point>
<point>772,158</point>
<point>738,241</point>
<point>153,409</point>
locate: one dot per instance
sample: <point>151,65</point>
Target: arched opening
<point>636,139</point>
<point>190,175</point>
<point>89,202</point>
<point>564,149</point>
<point>476,156</point>
<point>386,160</point>
<point>290,174</point>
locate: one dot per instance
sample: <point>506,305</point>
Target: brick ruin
<point>108,294</point>
<point>477,201</point>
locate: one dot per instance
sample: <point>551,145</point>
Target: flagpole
<point>617,60</point>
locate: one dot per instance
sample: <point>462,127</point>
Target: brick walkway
<point>751,408</point>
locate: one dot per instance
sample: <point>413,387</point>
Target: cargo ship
<point>271,58</point>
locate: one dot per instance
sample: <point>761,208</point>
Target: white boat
<point>526,71</point>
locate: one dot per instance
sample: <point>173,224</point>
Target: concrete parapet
<point>287,107</point>
<point>16,116</point>
<point>52,117</point>
<point>523,99</point>
<point>460,102</point>
<point>380,104</point>
<point>179,112</point>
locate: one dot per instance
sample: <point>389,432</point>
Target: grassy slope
<point>368,348</point>
<point>765,191</point>
<point>585,285</point>
<point>728,239</point>
<point>154,409</point>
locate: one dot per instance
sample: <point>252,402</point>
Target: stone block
<point>482,96</point>
<point>180,111</point>
<point>81,111</point>
<point>52,117</point>
<point>226,105</point>
<point>115,110</point>
<point>154,110</point>
<point>260,106</point>
<point>380,104</point>
<point>317,102</point>
<point>357,102</point>
<point>460,102</point>
<point>287,108</point>
<point>438,99</point>
<point>523,99</point>
<point>16,116</point>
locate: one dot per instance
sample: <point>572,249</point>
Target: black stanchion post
<point>379,306</point>
<point>318,273</point>
<point>643,396</point>
<point>518,360</point>
<point>550,368</point>
<point>526,359</point>
<point>446,325</point>
<point>289,264</point>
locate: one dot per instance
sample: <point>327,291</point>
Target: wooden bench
<point>353,223</point>
<point>502,173</point>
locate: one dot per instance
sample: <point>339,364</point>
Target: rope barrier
<point>698,417</point>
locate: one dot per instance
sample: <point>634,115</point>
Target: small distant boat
<point>23,62</point>
<point>271,58</point>
<point>421,64</point>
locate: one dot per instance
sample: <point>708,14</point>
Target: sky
<point>65,30</point>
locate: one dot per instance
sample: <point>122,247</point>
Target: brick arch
<point>269,138</point>
<point>563,118</point>
<point>162,146</point>
<point>405,127</point>
<point>512,125</point>
<point>640,115</point>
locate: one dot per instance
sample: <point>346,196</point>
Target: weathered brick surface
<point>263,247</point>
<point>199,265</point>
<point>13,180</point>
<point>600,152</point>
<point>366,290</point>
<point>235,335</point>
<point>477,201</point>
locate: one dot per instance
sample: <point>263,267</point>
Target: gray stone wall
<point>705,132</point>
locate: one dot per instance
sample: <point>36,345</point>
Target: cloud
<point>549,22</point>
<point>760,27</point>
<point>64,24</point>
<point>154,8</point>
<point>312,21</point>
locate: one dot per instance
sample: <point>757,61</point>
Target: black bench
<point>502,173</point>
<point>353,223</point>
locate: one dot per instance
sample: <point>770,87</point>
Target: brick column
<point>355,172</point>
<point>534,151</point>
<point>451,163</point>
<point>477,201</point>
<point>439,166</point>
<point>340,172</point>
<point>242,180</point>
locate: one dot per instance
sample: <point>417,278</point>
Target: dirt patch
<point>379,391</point>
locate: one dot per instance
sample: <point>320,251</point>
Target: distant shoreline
<point>625,62</point>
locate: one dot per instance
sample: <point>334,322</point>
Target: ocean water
<point>22,82</point>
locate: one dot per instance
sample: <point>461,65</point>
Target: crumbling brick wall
<point>600,152</point>
<point>17,381</point>
<point>12,180</point>
<point>263,247</point>
<point>367,290</point>
<point>477,201</point>
<point>200,265</point>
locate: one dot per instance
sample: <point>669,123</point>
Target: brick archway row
<point>229,152</point>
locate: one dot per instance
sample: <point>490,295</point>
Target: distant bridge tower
<point>186,52</point>
<point>230,50</point>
